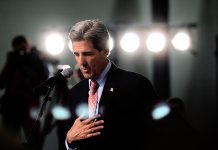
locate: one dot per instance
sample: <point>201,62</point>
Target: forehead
<point>82,45</point>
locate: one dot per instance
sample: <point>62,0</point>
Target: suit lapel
<point>109,90</point>
<point>84,95</point>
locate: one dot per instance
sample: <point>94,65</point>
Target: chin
<point>87,76</point>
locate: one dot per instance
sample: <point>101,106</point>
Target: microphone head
<point>68,72</point>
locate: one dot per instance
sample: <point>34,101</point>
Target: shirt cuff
<point>69,148</point>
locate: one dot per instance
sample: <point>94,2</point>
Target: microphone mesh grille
<point>67,72</point>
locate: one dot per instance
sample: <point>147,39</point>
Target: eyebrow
<point>84,53</point>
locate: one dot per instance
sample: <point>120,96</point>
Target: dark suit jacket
<point>125,111</point>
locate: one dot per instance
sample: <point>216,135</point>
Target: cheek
<point>93,64</point>
<point>97,65</point>
<point>91,61</point>
<point>77,60</point>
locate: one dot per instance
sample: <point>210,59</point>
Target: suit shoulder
<point>131,75</point>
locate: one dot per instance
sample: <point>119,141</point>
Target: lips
<point>84,70</point>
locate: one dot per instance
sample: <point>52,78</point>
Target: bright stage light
<point>54,43</point>
<point>129,42</point>
<point>156,41</point>
<point>181,41</point>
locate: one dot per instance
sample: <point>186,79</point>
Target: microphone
<point>51,82</point>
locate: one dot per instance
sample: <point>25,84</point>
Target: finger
<point>89,120</point>
<point>96,123</point>
<point>78,119</point>
<point>81,117</point>
<point>94,129</point>
<point>96,117</point>
<point>93,134</point>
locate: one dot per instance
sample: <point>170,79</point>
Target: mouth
<point>84,70</point>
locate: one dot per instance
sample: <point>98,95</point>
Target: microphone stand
<point>36,123</point>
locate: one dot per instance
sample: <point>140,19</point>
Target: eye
<point>76,54</point>
<point>88,53</point>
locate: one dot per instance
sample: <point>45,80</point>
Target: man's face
<point>90,61</point>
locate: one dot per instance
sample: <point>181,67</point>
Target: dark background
<point>192,77</point>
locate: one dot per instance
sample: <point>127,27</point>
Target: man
<point>120,119</point>
<point>24,68</point>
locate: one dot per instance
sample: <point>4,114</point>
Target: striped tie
<point>93,98</point>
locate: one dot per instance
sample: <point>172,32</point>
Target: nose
<point>81,60</point>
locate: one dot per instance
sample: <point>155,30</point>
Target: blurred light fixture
<point>60,113</point>
<point>156,41</point>
<point>82,110</point>
<point>160,111</point>
<point>34,113</point>
<point>54,43</point>
<point>181,41</point>
<point>129,42</point>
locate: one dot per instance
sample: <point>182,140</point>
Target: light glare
<point>181,41</point>
<point>160,111</point>
<point>111,43</point>
<point>60,113</point>
<point>129,42</point>
<point>70,45</point>
<point>82,111</point>
<point>54,43</point>
<point>156,42</point>
<point>34,113</point>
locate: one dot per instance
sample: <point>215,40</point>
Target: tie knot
<point>93,86</point>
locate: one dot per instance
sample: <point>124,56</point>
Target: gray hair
<point>94,31</point>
